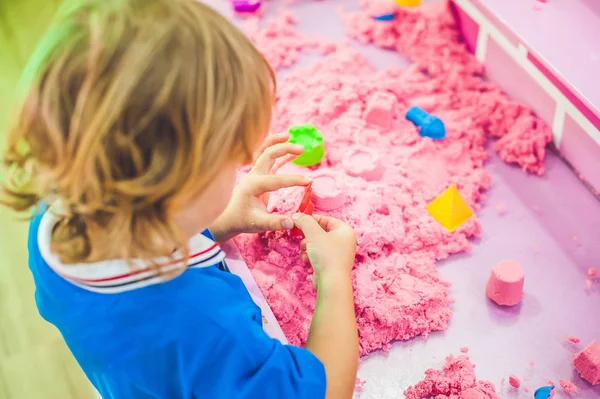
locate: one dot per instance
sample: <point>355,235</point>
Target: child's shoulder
<point>201,289</point>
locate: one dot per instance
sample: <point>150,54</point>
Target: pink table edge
<point>574,119</point>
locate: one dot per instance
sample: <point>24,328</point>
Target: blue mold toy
<point>385,17</point>
<point>543,392</point>
<point>430,126</point>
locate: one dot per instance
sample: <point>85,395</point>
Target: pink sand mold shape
<point>327,191</point>
<point>363,162</point>
<point>246,6</point>
<point>380,109</point>
<point>587,363</point>
<point>505,285</point>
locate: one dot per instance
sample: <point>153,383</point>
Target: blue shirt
<point>198,335</point>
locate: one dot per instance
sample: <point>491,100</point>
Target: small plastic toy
<point>430,126</point>
<point>312,141</point>
<point>408,3</point>
<point>543,392</point>
<point>450,209</point>
<point>306,207</point>
<point>327,194</point>
<point>246,6</point>
<point>384,17</point>
<point>363,162</point>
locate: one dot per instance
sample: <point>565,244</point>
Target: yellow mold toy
<point>408,3</point>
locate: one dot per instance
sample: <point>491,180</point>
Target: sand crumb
<point>514,381</point>
<point>359,385</point>
<point>573,339</point>
<point>568,386</point>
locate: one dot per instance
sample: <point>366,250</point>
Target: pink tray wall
<point>516,57</point>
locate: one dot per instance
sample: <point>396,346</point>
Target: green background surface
<point>34,361</point>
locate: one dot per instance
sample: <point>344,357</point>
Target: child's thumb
<point>272,222</point>
<point>307,224</point>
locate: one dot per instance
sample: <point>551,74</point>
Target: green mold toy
<point>312,141</point>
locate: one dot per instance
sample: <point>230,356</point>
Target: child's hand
<point>329,245</point>
<point>247,211</point>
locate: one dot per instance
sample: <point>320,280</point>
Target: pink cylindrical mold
<point>327,192</point>
<point>505,285</point>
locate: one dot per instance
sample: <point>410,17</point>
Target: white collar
<point>114,276</point>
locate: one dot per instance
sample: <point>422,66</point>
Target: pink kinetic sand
<point>376,8</point>
<point>464,349</point>
<point>568,386</point>
<point>280,43</point>
<point>428,36</point>
<point>587,363</point>
<point>399,293</point>
<point>514,381</point>
<point>505,285</point>
<point>456,380</point>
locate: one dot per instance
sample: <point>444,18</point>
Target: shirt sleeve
<point>247,363</point>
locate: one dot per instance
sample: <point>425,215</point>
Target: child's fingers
<point>303,245</point>
<point>267,159</point>
<point>328,223</point>
<point>309,226</point>
<point>272,140</point>
<point>270,222</point>
<point>282,161</point>
<point>269,183</point>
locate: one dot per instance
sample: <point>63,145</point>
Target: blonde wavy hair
<point>130,107</point>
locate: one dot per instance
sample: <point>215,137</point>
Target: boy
<point>136,116</point>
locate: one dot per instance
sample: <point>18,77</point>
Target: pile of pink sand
<point>428,36</point>
<point>279,41</point>
<point>399,293</point>
<point>456,380</point>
